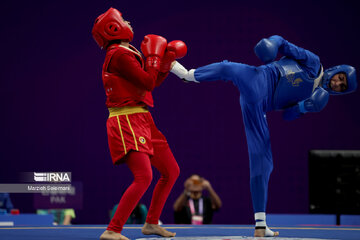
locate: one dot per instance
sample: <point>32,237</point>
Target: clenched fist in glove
<point>175,50</point>
<point>153,48</point>
<point>315,103</point>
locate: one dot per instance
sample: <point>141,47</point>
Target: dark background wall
<point>52,100</point>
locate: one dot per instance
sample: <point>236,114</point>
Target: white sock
<point>260,219</point>
<point>260,222</point>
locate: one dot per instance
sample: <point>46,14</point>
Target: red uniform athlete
<point>132,135</point>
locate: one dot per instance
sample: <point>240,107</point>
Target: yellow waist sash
<point>126,110</point>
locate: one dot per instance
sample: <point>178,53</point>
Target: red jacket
<point>126,83</point>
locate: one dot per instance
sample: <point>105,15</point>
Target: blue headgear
<point>350,77</point>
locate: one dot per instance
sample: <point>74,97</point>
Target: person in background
<point>191,207</point>
<point>138,215</point>
<point>5,203</point>
<point>61,216</point>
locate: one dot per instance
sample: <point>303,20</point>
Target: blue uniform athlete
<point>296,84</point>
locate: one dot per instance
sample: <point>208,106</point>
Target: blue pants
<point>254,84</point>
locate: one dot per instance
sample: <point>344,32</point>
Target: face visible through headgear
<point>338,82</point>
<point>128,24</point>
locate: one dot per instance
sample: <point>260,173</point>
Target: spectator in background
<point>191,207</point>
<point>5,203</point>
<point>138,215</point>
<point>61,216</point>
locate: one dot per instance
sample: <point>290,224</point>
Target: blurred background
<point>53,110</point>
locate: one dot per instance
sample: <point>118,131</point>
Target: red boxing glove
<point>179,47</point>
<point>153,48</point>
<point>175,50</point>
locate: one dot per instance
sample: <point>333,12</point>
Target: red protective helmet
<point>111,26</point>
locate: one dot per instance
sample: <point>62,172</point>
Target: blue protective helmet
<point>350,77</point>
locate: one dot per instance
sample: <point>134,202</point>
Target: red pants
<point>153,151</point>
<point>132,128</point>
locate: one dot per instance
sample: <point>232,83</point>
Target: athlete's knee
<point>171,174</point>
<point>175,172</point>
<point>261,168</point>
<point>145,177</point>
<point>261,171</point>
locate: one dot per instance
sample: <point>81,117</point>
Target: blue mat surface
<point>184,232</point>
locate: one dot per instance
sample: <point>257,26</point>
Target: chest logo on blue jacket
<point>290,76</point>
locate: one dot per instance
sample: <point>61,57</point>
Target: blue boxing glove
<point>267,49</point>
<point>315,103</point>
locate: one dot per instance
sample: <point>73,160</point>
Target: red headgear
<point>111,26</point>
